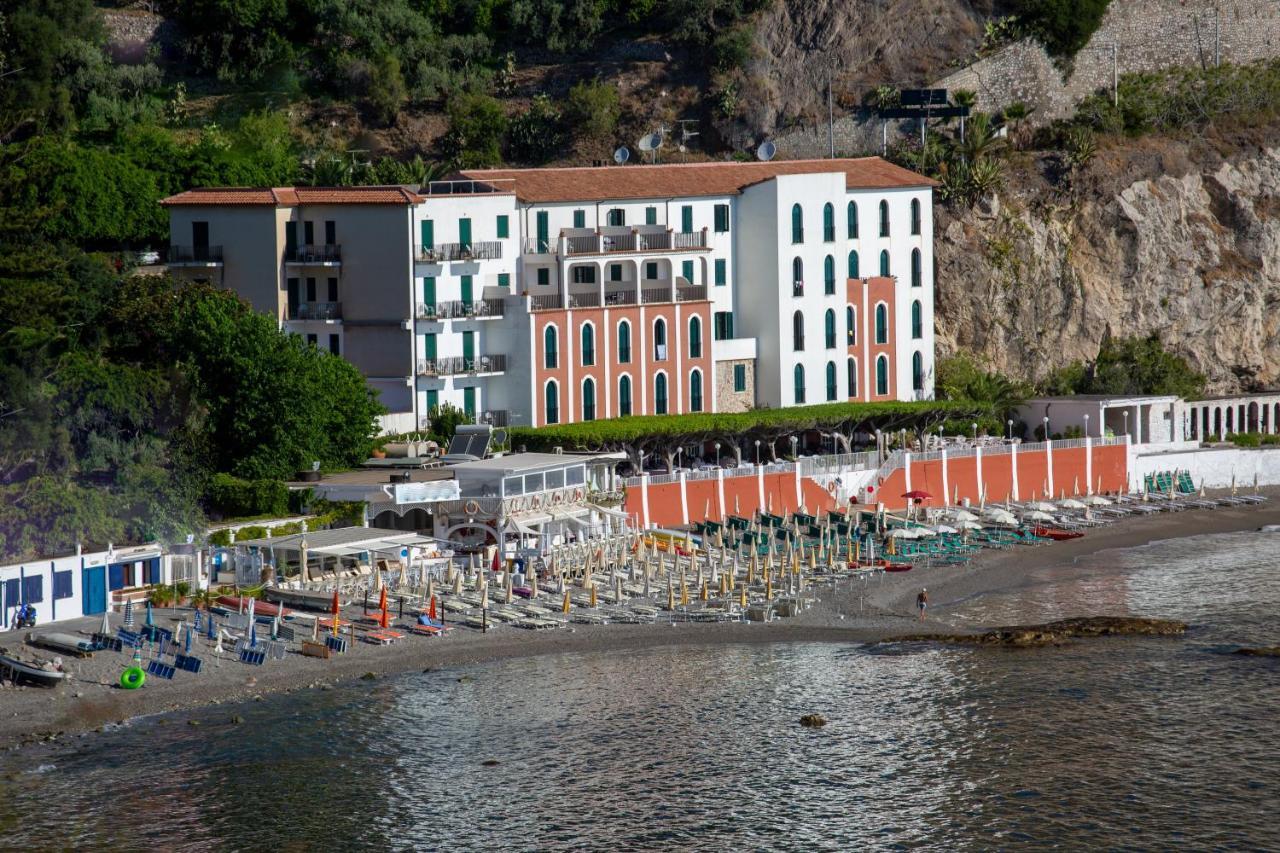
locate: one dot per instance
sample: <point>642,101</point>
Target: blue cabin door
<point>94,588</point>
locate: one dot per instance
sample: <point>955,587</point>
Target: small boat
<point>896,567</point>
<point>31,673</point>
<point>1055,533</point>
<point>303,599</point>
<point>260,608</point>
<point>68,643</point>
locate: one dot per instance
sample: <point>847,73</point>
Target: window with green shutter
<point>504,227</point>
<point>615,272</point>
<point>544,275</point>
<point>429,292</point>
<point>543,241</point>
<point>651,216</point>
<point>579,219</point>
<point>428,235</point>
<point>686,270</point>
<point>722,218</point>
<point>466,289</point>
<point>504,279</point>
<point>433,402</point>
<point>429,346</point>
<point>469,403</point>
<point>686,219</point>
<point>721,274</point>
<point>739,378</point>
<point>651,270</point>
<point>464,232</point>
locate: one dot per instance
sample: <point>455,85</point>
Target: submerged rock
<point>1052,633</point>
<point>489,762</point>
<point>813,721</point>
<point>368,676</point>
<point>1260,652</point>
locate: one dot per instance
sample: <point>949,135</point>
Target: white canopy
<point>1037,516</point>
<point>1071,503</point>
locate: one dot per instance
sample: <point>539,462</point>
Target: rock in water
<point>1052,633</point>
<point>368,676</point>
<point>1262,652</point>
<point>813,721</point>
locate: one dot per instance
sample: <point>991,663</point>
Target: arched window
<point>884,218</point>
<point>917,320</point>
<point>660,339</point>
<point>797,331</point>
<point>882,375</point>
<point>917,372</point>
<point>916,276</point>
<point>624,396</point>
<point>831,381</point>
<point>850,326</point>
<point>624,342</point>
<point>852,378</point>
<point>853,265</point>
<point>884,262</point>
<point>797,224</point>
<point>552,394</point>
<point>915,216</point>
<point>882,324</point>
<point>829,275</point>
<point>798,376</point>
<point>828,223</point>
<point>853,220</point>
<point>588,344</point>
<point>695,337</point>
<point>797,277</point>
<point>660,394</point>
<point>829,328</point>
<point>695,391</point>
<point>550,348</point>
<point>588,399</point>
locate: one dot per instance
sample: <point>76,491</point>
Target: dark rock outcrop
<point>1052,633</point>
<point>1261,652</point>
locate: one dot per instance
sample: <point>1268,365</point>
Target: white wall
<point>1215,467</point>
<point>50,609</point>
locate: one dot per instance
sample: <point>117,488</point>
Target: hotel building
<point>541,296</point>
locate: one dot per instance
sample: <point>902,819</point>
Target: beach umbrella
<point>253,633</point>
<point>969,525</point>
<point>105,628</point>
<point>564,607</point>
<point>768,587</point>
<point>902,533</point>
<point>383,619</point>
<point>315,629</point>
<point>1072,503</point>
<point>702,591</point>
<point>510,589</point>
<point>1037,516</point>
<point>533,584</point>
<point>1097,500</point>
<point>684,591</point>
<point>484,596</point>
<point>457,583</point>
<point>187,639</point>
<point>213,631</point>
<point>150,620</point>
<point>592,589</point>
<point>431,608</point>
<point>275,627</point>
<point>945,528</point>
<point>1041,506</point>
<point>128,615</point>
<point>742,598</point>
<point>671,595</point>
<point>334,607</point>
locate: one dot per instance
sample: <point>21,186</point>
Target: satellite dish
<point>622,155</point>
<point>766,151</point>
<point>652,142</point>
<point>500,436</point>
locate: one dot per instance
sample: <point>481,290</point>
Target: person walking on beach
<point>922,601</point>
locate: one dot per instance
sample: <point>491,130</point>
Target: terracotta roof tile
<point>534,186</point>
<point>293,196</point>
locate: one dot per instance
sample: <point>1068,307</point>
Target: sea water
<point>1129,742</point>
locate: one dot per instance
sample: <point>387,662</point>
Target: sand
<point>849,613</point>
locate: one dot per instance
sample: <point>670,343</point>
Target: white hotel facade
<point>538,296</point>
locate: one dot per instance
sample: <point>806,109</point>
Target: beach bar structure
<point>1146,419</point>
<point>332,555</point>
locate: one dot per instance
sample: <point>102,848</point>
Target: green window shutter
<point>651,269</point>
<point>429,346</point>
<point>504,279</point>
<point>579,219</point>
<point>469,402</point>
<point>721,275</point>
<point>651,216</point>
<point>543,228</point>
<point>686,270</point>
<point>433,402</point>
<point>615,272</point>
<point>739,377</point>
<point>686,219</point>
<point>464,232</point>
<point>429,291</point>
<point>722,218</point>
<point>504,227</point>
<point>469,346</point>
<point>544,275</point>
<point>428,235</point>
<point>466,289</point>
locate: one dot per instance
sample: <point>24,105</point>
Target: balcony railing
<point>459,310</point>
<point>460,365</point>
<point>495,417</point>
<point>535,246</point>
<point>195,255</point>
<point>329,253</point>
<point>648,296</point>
<point>546,302</point>
<point>603,244</point>
<point>488,250</point>
<point>316,311</point>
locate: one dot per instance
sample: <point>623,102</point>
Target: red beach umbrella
<point>333,608</point>
<point>431,610</point>
<point>917,495</point>
<point>383,619</point>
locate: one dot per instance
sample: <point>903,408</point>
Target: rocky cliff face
<point>1177,239</point>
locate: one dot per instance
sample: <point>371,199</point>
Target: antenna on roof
<point>685,133</point>
<point>766,151</point>
<point>622,155</point>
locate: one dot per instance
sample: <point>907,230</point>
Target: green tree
<point>994,395</point>
<point>386,88</point>
<point>537,134</point>
<point>1062,26</point>
<point>592,110</point>
<point>477,125</point>
<point>1143,366</point>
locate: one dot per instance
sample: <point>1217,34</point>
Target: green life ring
<point>132,678</point>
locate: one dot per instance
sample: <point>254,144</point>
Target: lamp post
<point>1046,427</point>
<point>1086,426</point>
<point>794,442</point>
<point>757,453</point>
<point>975,432</point>
<point>879,447</point>
<point>679,457</point>
<point>717,454</point>
<point>1126,422</point>
<point>1009,423</point>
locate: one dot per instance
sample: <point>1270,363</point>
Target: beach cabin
<point>81,584</point>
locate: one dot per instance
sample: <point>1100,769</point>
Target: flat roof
<point>676,180</point>
<point>292,196</point>
<point>1107,398</point>
<point>517,462</point>
<point>343,539</point>
<point>378,477</point>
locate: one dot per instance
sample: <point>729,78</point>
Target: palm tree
<point>1016,113</point>
<point>981,141</point>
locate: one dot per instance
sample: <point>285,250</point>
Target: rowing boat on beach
<point>304,599</point>
<point>31,673</point>
<point>68,643</point>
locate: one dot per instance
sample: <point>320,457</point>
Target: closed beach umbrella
<point>592,590</point>
<point>457,583</point>
<point>150,621</point>
<point>384,619</point>
<point>671,595</point>
<point>564,607</point>
<point>533,584</point>
<point>105,628</point>
<point>128,615</point>
<point>334,607</point>
<point>1071,503</point>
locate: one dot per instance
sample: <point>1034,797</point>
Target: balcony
<point>462,366</point>
<point>195,256</point>
<point>619,241</point>
<point>483,309</point>
<point>326,255</point>
<point>647,296</point>
<point>489,250</point>
<point>316,311</point>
